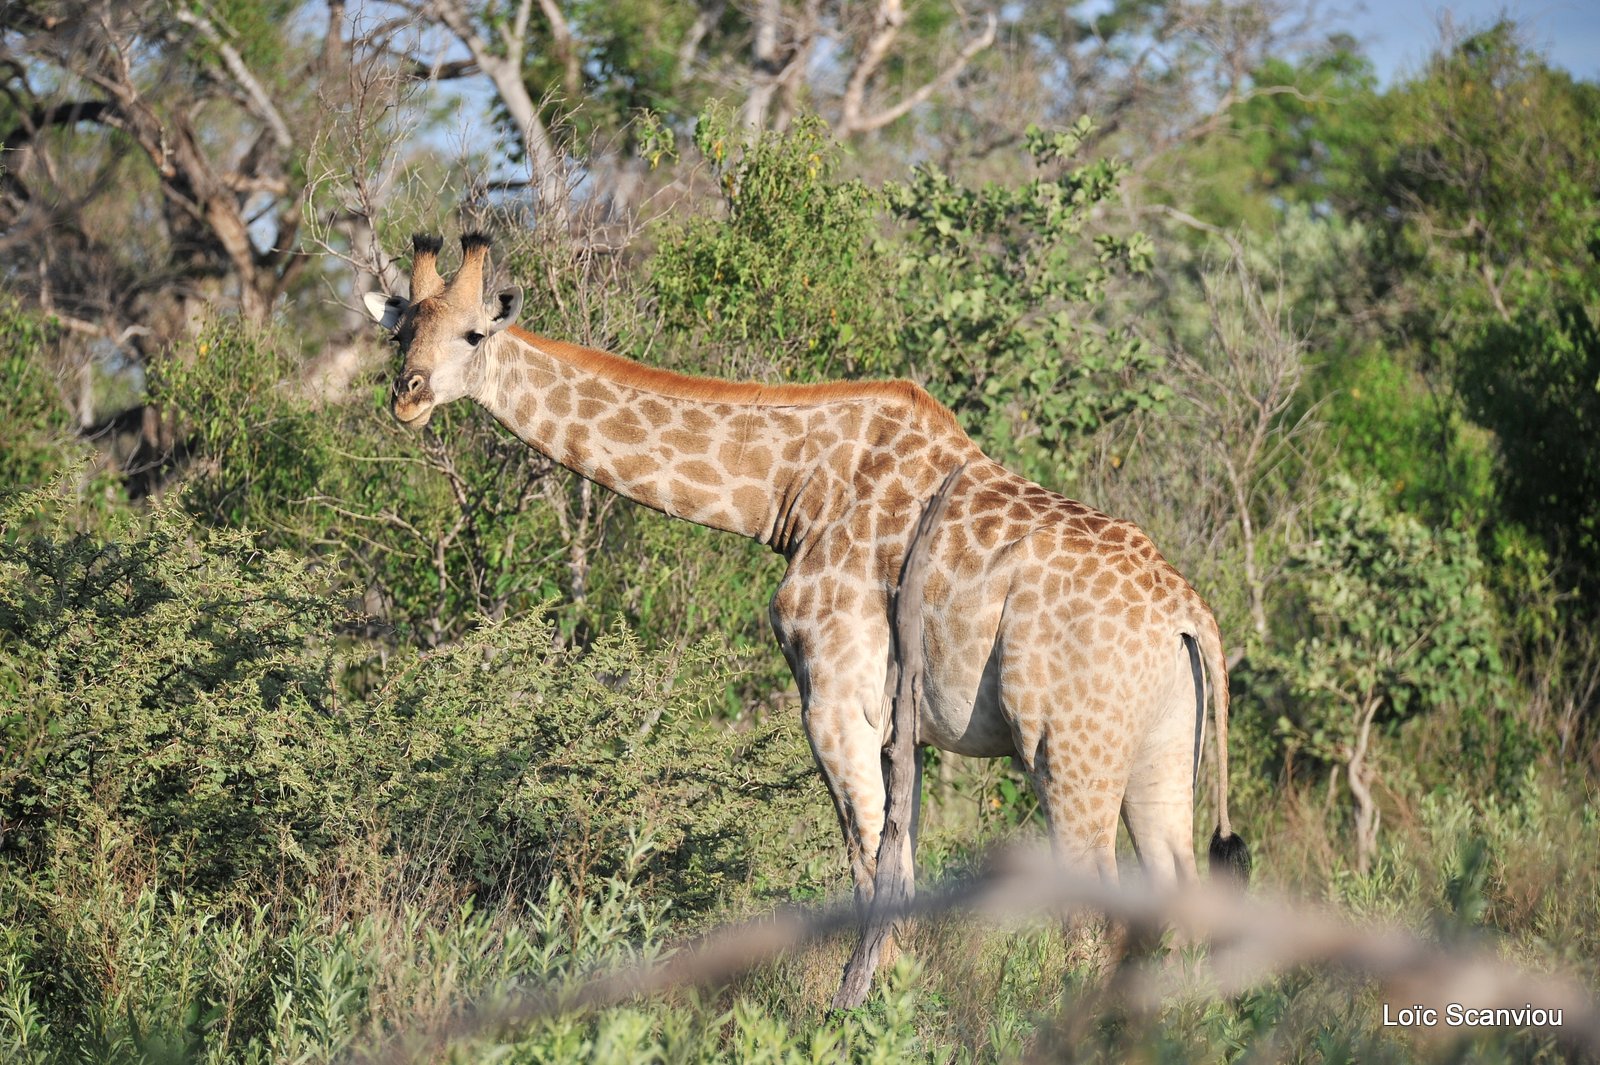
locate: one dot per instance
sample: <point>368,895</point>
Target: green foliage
<point>1394,621</point>
<point>99,972</point>
<point>985,295</point>
<point>428,541</point>
<point>293,981</point>
<point>265,450</point>
<point>1295,146</point>
<point>1473,185</point>
<point>189,704</point>
<point>153,977</point>
<point>1490,161</point>
<point>997,293</point>
<point>38,437</point>
<point>623,57</point>
<point>1390,612</point>
<point>550,758</point>
<point>791,275</point>
<point>677,583</point>
<point>252,28</point>
<point>435,532</point>
<point>1391,426</point>
<point>181,699</point>
<point>1536,383</point>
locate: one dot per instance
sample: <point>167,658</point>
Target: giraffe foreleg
<point>849,753</point>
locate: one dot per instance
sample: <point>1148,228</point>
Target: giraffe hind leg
<point>1080,808</point>
<point>1158,806</point>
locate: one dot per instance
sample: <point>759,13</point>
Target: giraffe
<point>1053,633</point>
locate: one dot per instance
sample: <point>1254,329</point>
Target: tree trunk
<point>895,882</point>
<point>1359,774</point>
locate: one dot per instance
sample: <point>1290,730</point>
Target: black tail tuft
<point>1230,857</point>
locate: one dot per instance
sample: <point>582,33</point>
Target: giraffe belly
<point>961,711</point>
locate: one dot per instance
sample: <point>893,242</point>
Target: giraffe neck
<point>768,462</point>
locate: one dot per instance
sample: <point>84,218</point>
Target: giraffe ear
<point>385,310</point>
<point>508,305</point>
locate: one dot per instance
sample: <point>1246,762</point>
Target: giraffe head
<point>443,328</point>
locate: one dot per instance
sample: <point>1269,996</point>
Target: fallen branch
<point>1252,940</point>
<point>894,883</point>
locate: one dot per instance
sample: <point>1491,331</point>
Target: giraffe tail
<point>1229,856</point>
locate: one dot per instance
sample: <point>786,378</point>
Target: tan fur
<point>623,371</point>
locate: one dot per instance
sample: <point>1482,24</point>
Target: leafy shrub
<point>1391,427</point>
<point>38,438</point>
<point>998,290</point>
<point>179,694</point>
<point>1535,381</point>
<point>547,757</point>
<point>432,534</point>
<point>791,276</point>
<point>1393,621</point>
<point>185,697</point>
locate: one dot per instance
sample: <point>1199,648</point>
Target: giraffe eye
<point>474,338</point>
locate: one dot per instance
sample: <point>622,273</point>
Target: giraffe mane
<point>624,371</point>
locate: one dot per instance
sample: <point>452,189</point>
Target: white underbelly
<point>964,717</point>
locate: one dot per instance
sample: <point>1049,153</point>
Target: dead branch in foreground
<point>1251,941</point>
<point>895,880</point>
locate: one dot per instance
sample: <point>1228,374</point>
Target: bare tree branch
<point>689,49</point>
<point>886,28</point>
<point>1252,941</point>
<point>188,177</point>
<point>260,102</point>
<point>505,73</point>
<point>69,113</point>
<point>768,63</point>
<point>565,46</point>
<point>453,70</point>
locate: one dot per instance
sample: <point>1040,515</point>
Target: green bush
<point>182,692</point>
<point>38,439</point>
<point>998,286</point>
<point>180,698</point>
<point>790,280</point>
<point>1535,382</point>
<point>1390,620</point>
<point>435,533</point>
<point>1392,427</point>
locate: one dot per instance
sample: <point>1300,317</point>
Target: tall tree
<point>189,120</point>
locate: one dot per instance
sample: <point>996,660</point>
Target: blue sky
<point>1398,34</point>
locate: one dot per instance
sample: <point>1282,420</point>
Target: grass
<point>96,964</point>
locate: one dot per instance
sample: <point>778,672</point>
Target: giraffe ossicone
<point>1052,632</point>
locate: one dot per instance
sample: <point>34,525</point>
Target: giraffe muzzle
<point>412,399</point>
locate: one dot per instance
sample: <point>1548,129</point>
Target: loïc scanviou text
<point>1455,1015</point>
